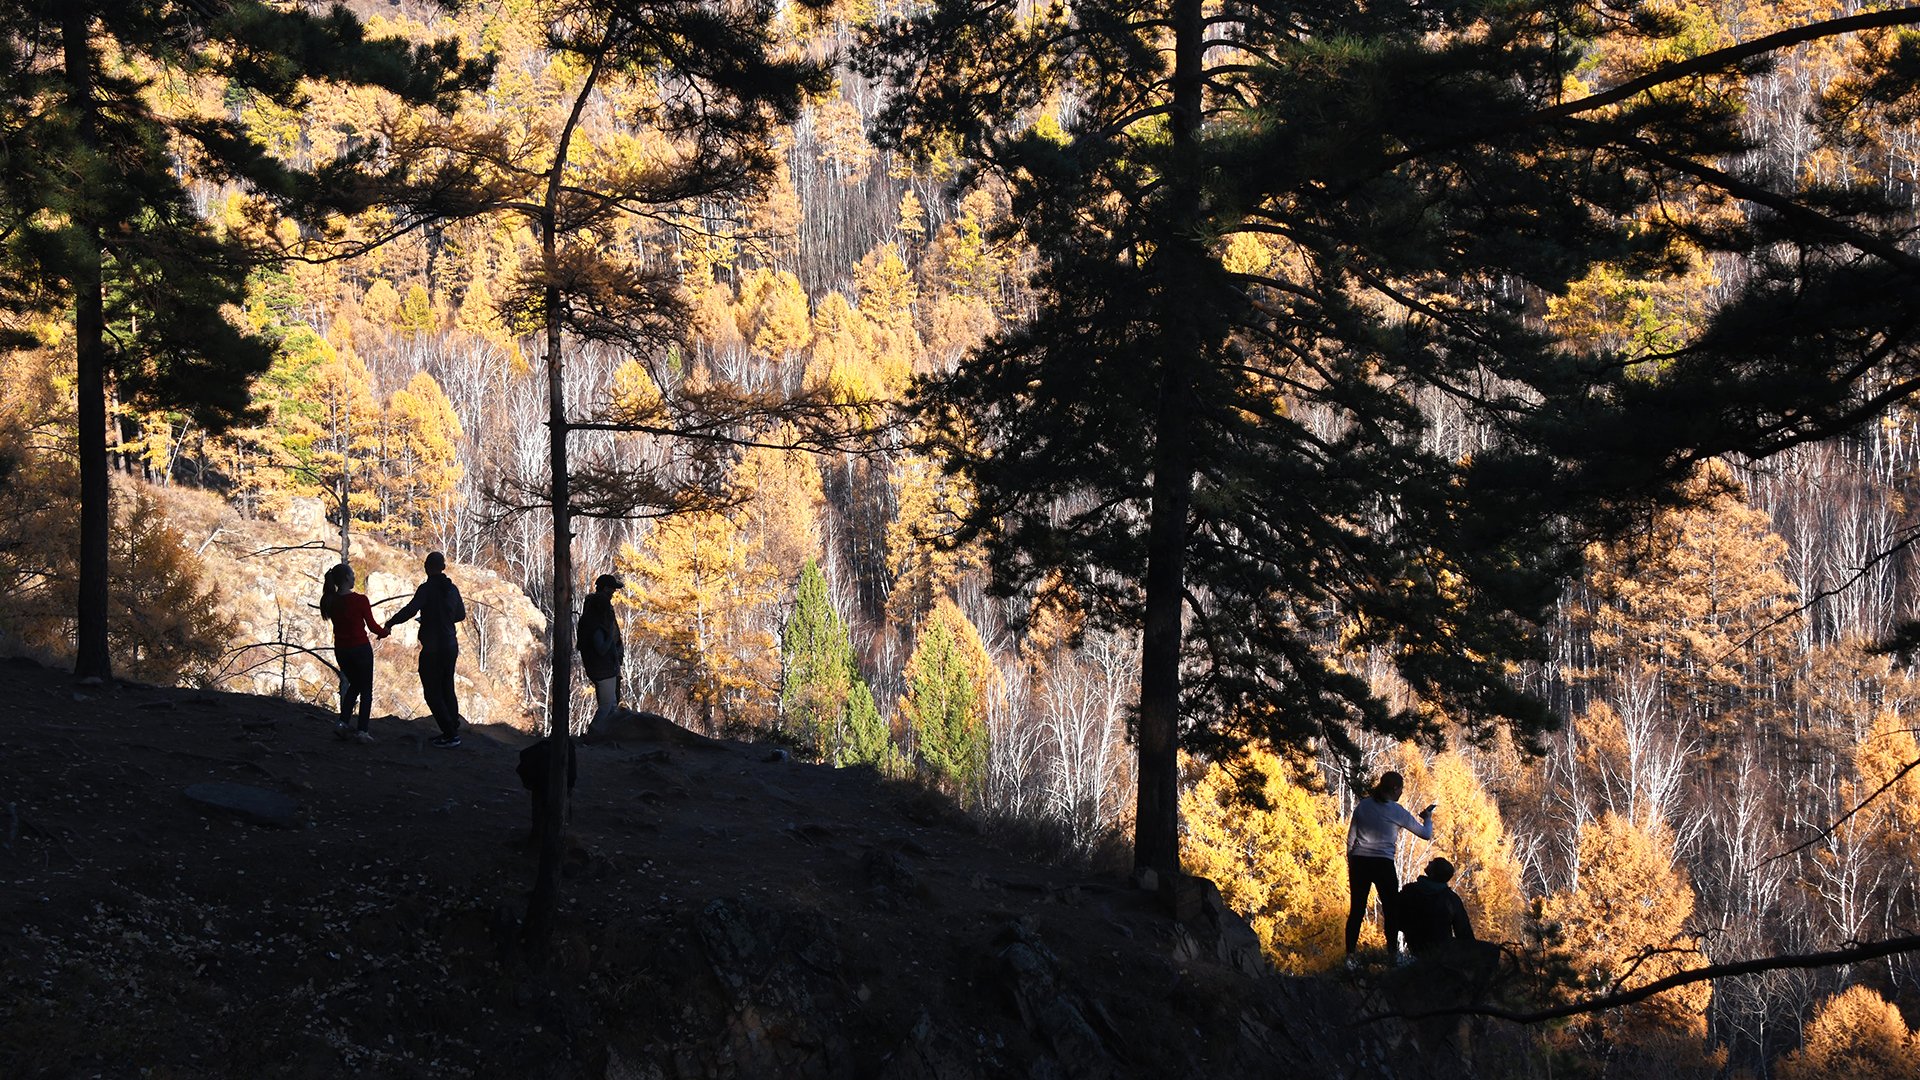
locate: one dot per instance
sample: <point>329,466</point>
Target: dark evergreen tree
<point>868,741</point>
<point>816,668</point>
<point>704,82</point>
<point>98,221</point>
<point>1287,397</point>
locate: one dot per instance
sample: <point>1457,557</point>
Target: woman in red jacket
<point>352,616</point>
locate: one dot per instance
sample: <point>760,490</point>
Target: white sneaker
<point>363,736</point>
<point>1353,962</point>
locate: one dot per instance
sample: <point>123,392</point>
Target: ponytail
<point>332,588</point>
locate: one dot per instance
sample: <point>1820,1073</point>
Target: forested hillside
<point>765,451</point>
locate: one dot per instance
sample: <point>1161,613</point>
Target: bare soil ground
<point>725,913</point>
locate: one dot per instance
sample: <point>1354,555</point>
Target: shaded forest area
<point>1728,774</point>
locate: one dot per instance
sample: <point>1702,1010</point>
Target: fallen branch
<point>278,549</point>
<point>1851,955</point>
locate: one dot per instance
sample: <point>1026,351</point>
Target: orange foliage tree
<point>1280,861</point>
<point>422,458</point>
<point>1625,924</point>
<point>1855,1035</point>
<point>701,599</point>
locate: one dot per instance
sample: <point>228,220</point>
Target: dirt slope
<point>725,915</point>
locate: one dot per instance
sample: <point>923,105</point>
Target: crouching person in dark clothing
<point>1431,912</point>
<point>1458,967</point>
<point>534,769</point>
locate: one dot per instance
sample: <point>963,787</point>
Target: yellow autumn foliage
<point>1625,925</point>
<point>1282,866</point>
<point>702,600</point>
<point>1854,1035</point>
<point>1469,832</point>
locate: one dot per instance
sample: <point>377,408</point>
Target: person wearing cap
<point>1431,912</point>
<point>437,602</point>
<point>597,636</point>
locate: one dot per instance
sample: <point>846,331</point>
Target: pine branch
<point>1716,62</point>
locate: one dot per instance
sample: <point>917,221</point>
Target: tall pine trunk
<point>546,884</point>
<point>1156,837</point>
<point>91,658</point>
<point>541,906</point>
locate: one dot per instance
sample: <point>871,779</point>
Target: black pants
<point>356,681</point>
<point>436,686</point>
<point>1364,871</point>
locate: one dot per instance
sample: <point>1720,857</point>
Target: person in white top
<point>1371,837</point>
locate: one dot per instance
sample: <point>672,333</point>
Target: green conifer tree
<point>1184,425</point>
<point>868,740</point>
<point>945,703</point>
<point>816,668</point>
<point>101,221</point>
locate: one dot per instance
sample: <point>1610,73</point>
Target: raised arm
<point>1421,826</point>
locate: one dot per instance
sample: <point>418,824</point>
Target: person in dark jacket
<point>1431,912</point>
<point>437,602</point>
<point>597,636</point>
<point>351,616</point>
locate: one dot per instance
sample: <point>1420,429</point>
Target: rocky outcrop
<point>269,571</point>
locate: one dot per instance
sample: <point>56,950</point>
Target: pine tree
<point>1700,604</point>
<point>1885,761</point>
<point>843,360</point>
<point>781,497</point>
<point>320,432</point>
<point>948,678</point>
<point>1372,422</point>
<point>929,508</point>
<point>1625,922</point>
<point>773,313</point>
<point>101,220</point>
<point>888,296</point>
<point>169,625</point>
<point>416,314</point>
<point>700,593</point>
<point>912,224</point>
<point>868,740</point>
<point>422,460</point>
<point>816,669</point>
